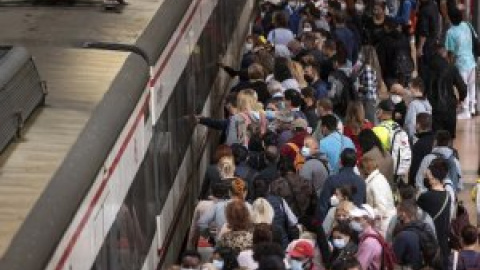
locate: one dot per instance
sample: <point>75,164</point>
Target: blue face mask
<point>339,243</point>
<point>296,265</point>
<point>218,264</point>
<point>356,226</point>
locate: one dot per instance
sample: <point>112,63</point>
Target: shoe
<point>464,115</point>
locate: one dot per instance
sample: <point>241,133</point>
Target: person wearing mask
<point>293,103</point>
<point>341,203</point>
<point>370,249</point>
<point>315,168</point>
<point>468,257</point>
<point>224,258</point>
<point>345,177</point>
<point>346,36</point>
<point>437,203</point>
<point>239,234</point>
<point>343,243</point>
<point>355,122</point>
<point>372,148</point>
<point>300,257</point>
<point>283,74</point>
<point>293,147</point>
<point>427,33</point>
<point>333,142</point>
<point>379,193</point>
<point>281,34</point>
<point>191,259</point>
<point>310,107</point>
<point>262,233</point>
<point>420,104</point>
<point>423,146</point>
<point>325,107</point>
<point>459,42</point>
<point>312,76</point>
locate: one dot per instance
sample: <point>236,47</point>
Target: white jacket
<point>380,197</point>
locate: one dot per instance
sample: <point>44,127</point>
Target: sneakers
<point>464,115</point>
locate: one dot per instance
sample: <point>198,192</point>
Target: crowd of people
<point>337,147</point>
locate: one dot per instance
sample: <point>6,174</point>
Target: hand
<point>419,52</point>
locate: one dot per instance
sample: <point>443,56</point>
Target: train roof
<point>77,80</point>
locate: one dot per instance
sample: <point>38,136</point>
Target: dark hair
<point>407,193</point>
<point>342,54</point>
<point>280,19</point>
<point>272,262</point>
<point>348,157</point>
<point>439,168</point>
<point>340,17</point>
<point>344,228</point>
<point>281,71</point>
<point>272,154</point>
<point>229,257</point>
<point>285,165</point>
<point>455,15</point>
<point>265,249</point>
<point>231,99</point>
<point>348,191</point>
<point>418,83</point>
<point>262,232</point>
<point>294,97</point>
<point>330,122</point>
<point>259,187</point>
<point>308,92</point>
<point>347,264</point>
<point>469,235</point>
<point>220,189</point>
<point>409,208</point>
<point>368,139</point>
<point>424,120</point>
<point>255,143</point>
<point>240,153</point>
<point>191,253</point>
<point>443,138</point>
<point>270,139</point>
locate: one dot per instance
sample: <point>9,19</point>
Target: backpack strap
<point>443,206</point>
<point>294,147</point>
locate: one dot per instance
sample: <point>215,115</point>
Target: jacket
<point>295,190</point>
<point>316,171</point>
<point>420,149</point>
<point>384,162</point>
<point>369,253</point>
<point>380,197</point>
<point>415,107</point>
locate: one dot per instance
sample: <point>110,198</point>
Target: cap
<point>284,116</point>
<point>302,248</point>
<point>364,210</point>
<point>300,123</point>
<point>386,105</point>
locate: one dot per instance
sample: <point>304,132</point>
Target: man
<point>315,168</point>
<point>325,107</point>
<point>468,257</point>
<point>191,259</point>
<point>341,86</point>
<point>293,102</point>
<point>270,173</point>
<point>423,146</point>
<point>301,256</point>
<point>312,76</point>
<point>345,36</point>
<point>427,34</point>
<point>345,177</point>
<point>459,42</point>
<point>256,82</point>
<point>294,145</point>
<point>333,142</point>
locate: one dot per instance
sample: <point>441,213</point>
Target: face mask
<point>306,151</point>
<point>248,47</point>
<point>359,7</point>
<point>343,6</point>
<point>296,265</point>
<point>308,78</point>
<point>356,226</point>
<point>396,99</point>
<point>339,243</point>
<point>307,29</point>
<point>293,4</point>
<point>218,264</point>
<point>334,201</point>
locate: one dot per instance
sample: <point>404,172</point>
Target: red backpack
<point>388,256</point>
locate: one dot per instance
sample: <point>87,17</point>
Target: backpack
<point>457,224</point>
<point>341,97</point>
<point>399,149</point>
<point>388,256</point>
<point>249,126</point>
<point>428,243</point>
<point>453,173</point>
<point>299,159</point>
<point>403,63</point>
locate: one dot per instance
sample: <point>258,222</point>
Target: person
<point>468,257</point>
<point>370,250</point>
<point>423,146</point>
<point>341,86</point>
<point>292,148</point>
<point>437,203</point>
<point>458,43</point>
<point>256,81</point>
<point>346,176</point>
<point>310,107</point>
<point>262,233</point>
<point>283,75</point>
<point>270,173</point>
<point>312,76</point>
<point>294,102</point>
<point>300,257</point>
<point>242,169</point>
<point>281,34</point>
<point>350,263</point>
<point>341,203</point>
<point>427,33</point>
<point>379,193</point>
<point>315,168</point>
<point>212,174</point>
<point>372,148</point>
<point>239,236</point>
<point>405,7</point>
<point>374,26</point>
<point>325,107</point>
<point>264,250</point>
<point>283,126</point>
<point>333,142</point>
<point>343,243</point>
<point>224,258</point>
<point>191,259</point>
<point>297,72</point>
<point>418,105</point>
<point>262,211</point>
<point>355,122</point>
<point>345,36</point>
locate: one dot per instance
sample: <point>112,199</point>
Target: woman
<point>341,203</point>
<point>437,202</point>
<point>280,34</point>
<point>379,193</point>
<point>343,243</point>
<point>283,74</point>
<point>212,174</point>
<point>372,148</point>
<point>355,122</point>
<point>262,211</point>
<point>297,71</point>
<point>240,234</point>
<point>262,233</point>
<point>224,258</point>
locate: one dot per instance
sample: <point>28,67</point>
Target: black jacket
<point>391,44</point>
<point>420,149</point>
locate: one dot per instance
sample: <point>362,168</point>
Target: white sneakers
<point>465,114</point>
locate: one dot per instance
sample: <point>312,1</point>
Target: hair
<point>281,70</point>
<point>297,72</point>
<point>408,193</point>
<point>325,103</point>
<point>222,150</point>
<point>262,232</point>
<point>355,116</point>
<point>371,58</point>
<point>343,228</point>
<point>342,54</point>
<point>409,208</point>
<point>368,162</point>
<point>240,153</point>
<point>294,97</point>
<point>226,167</point>
<point>348,157</point>
<point>424,120</point>
<point>340,17</point>
<point>271,262</point>
<point>270,138</point>
<point>256,72</point>
<point>330,44</point>
<point>231,99</point>
<point>469,235</point>
<point>266,249</point>
<point>368,140</point>
<point>260,187</point>
<point>330,122</point>
<point>347,191</point>
<point>272,155</point>
<point>348,263</point>
<point>280,19</point>
<point>346,206</point>
<point>418,83</point>
<point>439,168</point>
<point>443,138</point>
<point>238,216</point>
<point>238,187</point>
<point>220,190</point>
<point>191,253</point>
<point>245,101</point>
<point>266,59</point>
<point>455,15</point>
<point>285,165</point>
<point>229,257</point>
<point>262,211</point>
<point>308,92</point>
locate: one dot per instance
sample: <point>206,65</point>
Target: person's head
<point>238,188</point>
<point>342,213</point>
<point>301,255</point>
<point>350,263</point>
<point>231,103</point>
<point>262,232</point>
<point>344,193</point>
<point>260,187</point>
<point>362,217</point>
<point>226,167</point>
<point>262,211</point>
<point>385,110</point>
<point>294,46</point>
<point>240,153</point>
<point>191,259</point>
<point>308,95</point>
<point>299,125</point>
<point>348,158</point>
<point>256,72</point>
<point>379,8</point>
<point>340,18</point>
<point>436,173</point>
<point>443,138</point>
<point>424,122</point>
<point>265,249</point>
<point>355,116</point>
<point>286,165</point>
<point>417,87</point>
<point>293,99</point>
<point>341,235</point>
<point>245,101</point>
<point>270,138</point>
<point>272,262</point>
<point>238,216</point>
<point>368,165</point>
<point>456,16</point>
<point>406,212</point>
<point>310,146</point>
<point>224,258</point>
<point>340,58</point>
<point>329,124</point>
<point>368,140</point>
<point>220,190</point>
<point>222,150</point>
<point>469,235</point>
<point>280,19</point>
<point>329,47</point>
<point>408,193</point>
<point>281,69</point>
<point>368,56</point>
<point>324,107</point>
<point>312,73</point>
<point>272,155</point>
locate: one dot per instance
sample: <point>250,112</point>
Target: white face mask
<point>356,226</point>
<point>218,264</point>
<point>334,201</point>
<point>343,6</point>
<point>306,151</point>
<point>307,29</point>
<point>396,99</point>
<point>359,7</point>
<point>296,265</point>
<point>248,47</point>
<point>339,243</point>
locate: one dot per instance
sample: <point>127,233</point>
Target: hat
<point>300,123</point>
<point>284,116</point>
<point>386,105</point>
<point>364,210</point>
<point>302,249</point>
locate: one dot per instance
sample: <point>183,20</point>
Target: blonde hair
<point>297,72</point>
<point>246,100</point>
<point>355,116</point>
<point>262,211</point>
<point>226,167</point>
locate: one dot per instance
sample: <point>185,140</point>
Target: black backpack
<point>428,243</point>
<point>343,96</point>
<point>403,63</point>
